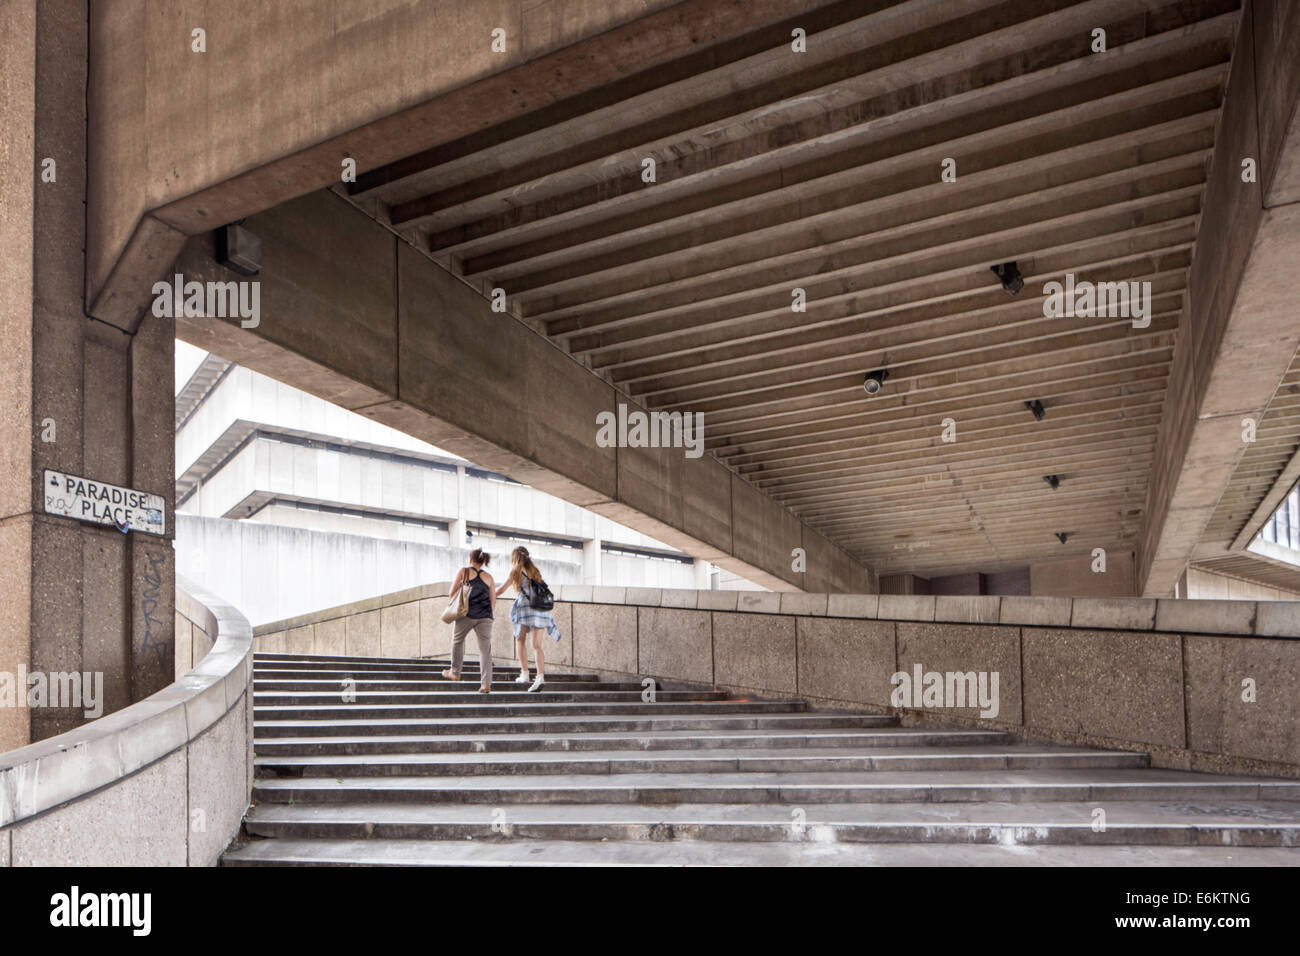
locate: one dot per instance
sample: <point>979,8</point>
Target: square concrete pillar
<point>76,395</point>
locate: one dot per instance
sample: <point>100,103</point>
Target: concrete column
<point>456,530</point>
<point>591,562</point>
<point>702,578</point>
<point>76,395</point>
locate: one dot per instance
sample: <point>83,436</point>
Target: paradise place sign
<point>124,508</point>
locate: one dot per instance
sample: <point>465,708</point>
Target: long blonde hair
<point>521,564</point>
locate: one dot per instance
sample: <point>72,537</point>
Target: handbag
<point>458,606</point>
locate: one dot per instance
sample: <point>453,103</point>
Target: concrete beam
<point>357,316</point>
<point>1238,334</point>
<point>182,141</point>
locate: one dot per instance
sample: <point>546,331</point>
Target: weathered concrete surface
<point>605,637</point>
<point>436,362</point>
<point>218,785</point>
<point>1238,334</point>
<point>1113,684</point>
<point>148,824</point>
<point>1220,718</point>
<point>967,649</point>
<point>755,652</point>
<point>77,396</point>
<point>846,660</point>
<point>675,643</point>
<point>175,149</point>
<point>163,782</point>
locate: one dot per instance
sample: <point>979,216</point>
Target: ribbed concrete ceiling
<point>821,170</point>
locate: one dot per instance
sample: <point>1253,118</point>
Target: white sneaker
<point>537,684</point>
<point>522,678</point>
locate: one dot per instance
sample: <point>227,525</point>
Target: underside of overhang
<point>775,170</point>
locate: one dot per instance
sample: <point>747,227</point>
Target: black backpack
<point>538,595</point>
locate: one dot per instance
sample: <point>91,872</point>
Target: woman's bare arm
<point>460,577</point>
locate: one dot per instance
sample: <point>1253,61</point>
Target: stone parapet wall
<point>163,782</point>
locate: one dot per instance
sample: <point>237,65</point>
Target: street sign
<point>100,503</point>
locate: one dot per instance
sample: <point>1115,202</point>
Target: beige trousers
<point>482,628</point>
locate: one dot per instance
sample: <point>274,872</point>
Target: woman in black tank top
<point>480,604</point>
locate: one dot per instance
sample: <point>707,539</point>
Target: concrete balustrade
<point>1161,676</point>
<point>163,782</point>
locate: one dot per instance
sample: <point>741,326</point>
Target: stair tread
<point>793,733</point>
<point>598,756</point>
<point>700,853</point>
<point>1122,777</point>
<point>1255,813</point>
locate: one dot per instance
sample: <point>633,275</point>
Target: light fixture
<point>875,381</point>
<point>239,249</point>
<point>1037,408</point>
<point>1009,275</point>
<point>1053,480</point>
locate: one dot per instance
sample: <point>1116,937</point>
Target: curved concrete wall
<point>164,782</point>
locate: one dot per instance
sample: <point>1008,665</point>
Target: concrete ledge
<point>63,800</point>
<point>1122,614</point>
<point>974,608</point>
<point>906,607</point>
<point>1036,611</point>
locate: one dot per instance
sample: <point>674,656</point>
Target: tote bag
<point>458,606</point>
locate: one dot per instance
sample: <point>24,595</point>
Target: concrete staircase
<point>421,771</point>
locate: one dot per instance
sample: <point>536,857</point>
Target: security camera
<point>875,381</point>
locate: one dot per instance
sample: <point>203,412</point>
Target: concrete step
<point>263,657</point>
<point>701,853</point>
<point>533,705</point>
<point>457,695</point>
<point>516,723</point>
<point>420,685</point>
<point>468,674</point>
<point>419,665</point>
<point>1248,823</point>
<point>1006,757</point>
<point>794,789</point>
<point>658,741</point>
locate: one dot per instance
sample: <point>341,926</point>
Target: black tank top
<point>480,601</point>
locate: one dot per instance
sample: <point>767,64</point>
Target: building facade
<point>286,504</point>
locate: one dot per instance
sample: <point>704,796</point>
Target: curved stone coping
<point>53,772</point>
<point>1244,618</point>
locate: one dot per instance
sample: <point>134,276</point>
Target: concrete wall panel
<point>1118,684</point>
<point>1219,721</point>
<point>846,660</point>
<point>604,637</point>
<point>962,649</point>
<point>400,630</point>
<point>754,651</point>
<point>148,824</point>
<point>675,643</point>
<point>217,798</point>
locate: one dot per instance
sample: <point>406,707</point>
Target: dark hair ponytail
<point>479,556</point>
